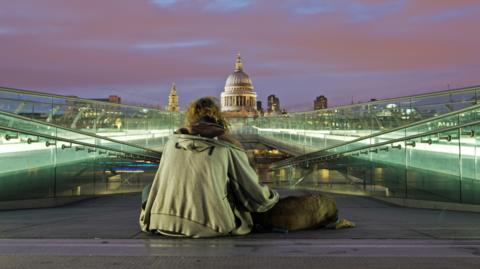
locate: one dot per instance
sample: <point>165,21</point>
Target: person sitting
<point>204,185</point>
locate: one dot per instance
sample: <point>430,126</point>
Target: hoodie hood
<point>206,127</point>
<point>209,130</point>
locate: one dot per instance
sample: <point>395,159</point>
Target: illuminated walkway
<point>103,233</point>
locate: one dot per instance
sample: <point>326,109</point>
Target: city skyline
<point>296,50</point>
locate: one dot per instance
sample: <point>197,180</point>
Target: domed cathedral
<point>238,98</point>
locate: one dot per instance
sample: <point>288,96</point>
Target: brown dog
<point>293,213</point>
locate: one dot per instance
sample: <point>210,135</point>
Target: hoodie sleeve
<point>245,185</point>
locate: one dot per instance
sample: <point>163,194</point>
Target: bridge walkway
<point>103,233</point>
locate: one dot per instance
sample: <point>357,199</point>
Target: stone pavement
<point>103,233</point>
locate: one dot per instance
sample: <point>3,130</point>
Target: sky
<point>343,49</point>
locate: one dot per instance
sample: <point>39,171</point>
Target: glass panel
<point>74,170</point>
<point>26,169</point>
<point>433,168</point>
<point>389,170</point>
<point>470,169</point>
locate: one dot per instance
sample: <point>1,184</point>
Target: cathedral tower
<point>173,100</point>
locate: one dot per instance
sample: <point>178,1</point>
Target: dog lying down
<point>293,213</point>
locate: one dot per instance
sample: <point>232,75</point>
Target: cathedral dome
<point>238,98</point>
<point>238,78</point>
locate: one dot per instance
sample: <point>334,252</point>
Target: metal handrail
<point>417,96</point>
<point>30,133</point>
<point>34,93</point>
<point>396,140</point>
<point>77,131</point>
<point>391,130</point>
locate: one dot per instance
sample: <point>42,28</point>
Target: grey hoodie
<point>204,187</point>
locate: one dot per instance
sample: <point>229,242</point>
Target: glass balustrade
<point>142,126</point>
<point>316,130</point>
<point>21,123</point>
<point>420,147</point>
<point>440,122</point>
<point>441,164</point>
<point>37,164</point>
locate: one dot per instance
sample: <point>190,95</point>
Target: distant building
<point>260,108</point>
<point>238,98</point>
<point>111,99</point>
<point>320,102</point>
<point>114,99</point>
<point>173,100</point>
<point>273,104</point>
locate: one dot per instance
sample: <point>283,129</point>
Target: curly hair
<point>205,107</point>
